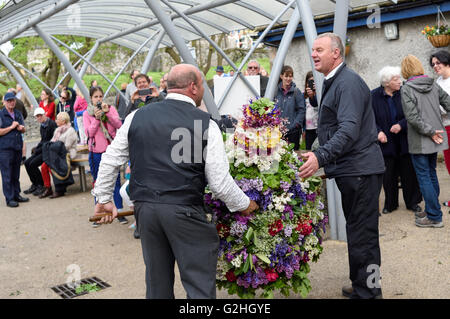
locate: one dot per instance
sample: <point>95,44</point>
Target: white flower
<point>237,261</point>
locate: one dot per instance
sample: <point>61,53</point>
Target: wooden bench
<point>81,161</point>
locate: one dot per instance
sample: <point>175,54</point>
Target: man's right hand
<point>251,207</point>
<point>107,208</point>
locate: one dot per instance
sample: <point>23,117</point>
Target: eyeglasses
<point>436,63</point>
<point>252,67</point>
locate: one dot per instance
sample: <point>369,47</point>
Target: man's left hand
<point>396,128</point>
<point>310,166</point>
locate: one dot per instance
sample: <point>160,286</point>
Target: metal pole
<point>69,67</point>
<point>192,10</point>
<point>89,63</point>
<point>57,7</point>
<point>89,58</point>
<point>67,73</point>
<point>340,20</point>
<point>152,51</point>
<point>215,46</point>
<point>128,62</point>
<point>186,55</point>
<point>19,79</point>
<point>309,27</point>
<point>337,213</point>
<point>32,75</point>
<point>255,45</point>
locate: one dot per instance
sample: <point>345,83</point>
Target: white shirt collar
<point>180,97</point>
<point>332,73</point>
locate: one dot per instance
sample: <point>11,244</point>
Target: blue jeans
<point>425,167</point>
<point>94,163</point>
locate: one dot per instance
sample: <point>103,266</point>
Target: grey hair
<point>336,41</point>
<point>254,61</point>
<point>387,73</point>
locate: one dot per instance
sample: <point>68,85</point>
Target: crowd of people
<point>367,140</point>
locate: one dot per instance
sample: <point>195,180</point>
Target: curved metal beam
<point>58,6</point>
<point>19,79</point>
<point>89,63</point>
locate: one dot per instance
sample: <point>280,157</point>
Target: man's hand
<point>310,166</point>
<point>108,207</point>
<point>251,207</point>
<point>437,137</point>
<point>396,128</point>
<point>382,137</point>
<point>14,125</point>
<point>21,128</point>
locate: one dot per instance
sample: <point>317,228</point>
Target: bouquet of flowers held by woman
<point>270,248</point>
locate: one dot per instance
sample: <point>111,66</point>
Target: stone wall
<point>370,51</point>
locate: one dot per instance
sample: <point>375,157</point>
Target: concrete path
<point>42,238</point>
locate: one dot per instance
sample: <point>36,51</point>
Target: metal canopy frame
<point>173,23</point>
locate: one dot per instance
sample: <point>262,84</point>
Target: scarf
<point>90,110</point>
<point>59,131</point>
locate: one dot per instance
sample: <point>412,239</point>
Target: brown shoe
<point>48,191</point>
<point>347,291</point>
<point>56,195</point>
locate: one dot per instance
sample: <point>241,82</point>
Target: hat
<point>39,111</point>
<point>9,96</point>
<point>219,69</point>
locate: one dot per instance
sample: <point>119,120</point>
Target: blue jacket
<point>292,106</point>
<point>397,144</point>
<point>346,129</point>
<point>13,139</point>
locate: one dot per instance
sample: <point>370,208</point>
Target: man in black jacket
<point>32,164</point>
<point>349,152</point>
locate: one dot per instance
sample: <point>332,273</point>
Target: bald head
<point>182,75</point>
<point>186,79</point>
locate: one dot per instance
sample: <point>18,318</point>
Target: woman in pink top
<point>100,124</point>
<point>80,106</point>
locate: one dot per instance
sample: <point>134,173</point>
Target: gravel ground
<point>42,238</point>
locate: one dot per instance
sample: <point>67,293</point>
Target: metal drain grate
<point>66,292</point>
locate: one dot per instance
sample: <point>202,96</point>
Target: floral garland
<point>269,249</point>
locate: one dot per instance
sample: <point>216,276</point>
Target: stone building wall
<point>370,51</point>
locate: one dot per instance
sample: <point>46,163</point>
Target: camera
<point>145,92</point>
<point>311,84</point>
<point>99,105</point>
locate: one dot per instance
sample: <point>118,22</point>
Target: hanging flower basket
<point>439,41</point>
<point>438,35</point>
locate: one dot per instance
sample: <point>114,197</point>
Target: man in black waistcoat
<point>349,152</point>
<point>175,150</point>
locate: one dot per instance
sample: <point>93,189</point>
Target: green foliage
<point>86,288</point>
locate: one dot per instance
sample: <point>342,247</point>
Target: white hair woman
<point>392,136</point>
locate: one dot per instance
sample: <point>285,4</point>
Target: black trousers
<point>400,166</point>
<point>360,204</point>
<point>310,137</point>
<point>178,233</point>
<point>10,171</point>
<point>293,136</point>
<point>32,166</point>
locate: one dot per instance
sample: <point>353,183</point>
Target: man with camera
<point>145,93</point>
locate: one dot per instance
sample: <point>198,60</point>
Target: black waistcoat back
<point>167,142</point>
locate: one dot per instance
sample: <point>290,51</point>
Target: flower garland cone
<point>269,249</point>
